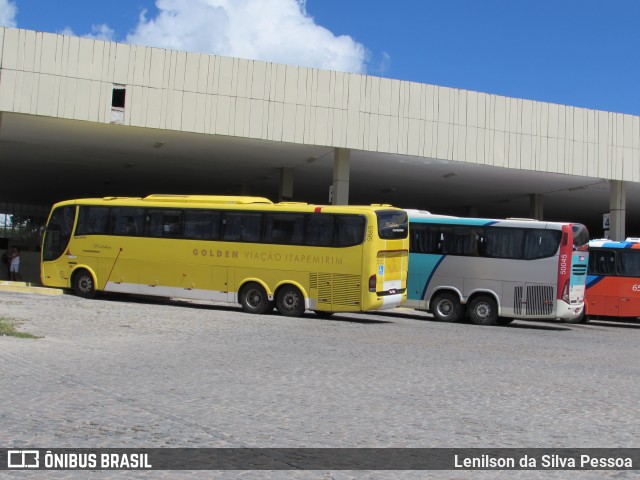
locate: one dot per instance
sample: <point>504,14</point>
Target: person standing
<point>14,264</point>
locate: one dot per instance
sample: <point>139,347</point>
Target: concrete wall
<point>69,77</point>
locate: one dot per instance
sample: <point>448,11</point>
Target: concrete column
<point>286,184</point>
<point>617,209</point>
<point>341,160</point>
<point>536,206</point>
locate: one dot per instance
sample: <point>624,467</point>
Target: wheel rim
<point>254,298</point>
<point>290,301</point>
<point>85,284</point>
<point>445,308</point>
<point>483,310</point>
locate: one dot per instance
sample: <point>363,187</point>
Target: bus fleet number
<point>635,287</point>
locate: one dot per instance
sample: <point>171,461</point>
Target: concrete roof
<point>55,159</point>
<point>207,124</point>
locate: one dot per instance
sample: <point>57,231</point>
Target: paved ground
<point>121,372</point>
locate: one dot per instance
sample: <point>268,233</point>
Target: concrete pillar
<point>617,209</point>
<point>286,184</point>
<point>341,160</point>
<point>536,206</point>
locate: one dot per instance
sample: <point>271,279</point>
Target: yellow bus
<point>245,250</point>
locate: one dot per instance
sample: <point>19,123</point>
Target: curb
<point>25,287</point>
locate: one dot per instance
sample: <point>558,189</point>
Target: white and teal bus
<point>494,271</point>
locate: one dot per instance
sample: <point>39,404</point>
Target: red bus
<point>613,279</point>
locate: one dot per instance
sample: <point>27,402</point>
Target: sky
<point>584,53</point>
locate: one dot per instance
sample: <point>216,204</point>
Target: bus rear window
<point>392,224</point>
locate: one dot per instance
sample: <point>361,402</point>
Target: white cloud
<point>98,32</point>
<point>278,31</point>
<point>383,65</point>
<point>101,32</point>
<point>8,13</point>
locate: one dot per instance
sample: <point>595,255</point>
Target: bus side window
<point>251,223</point>
<point>604,262</point>
<point>541,243</point>
<point>241,226</point>
<point>201,225</point>
<point>93,221</point>
<point>153,223</point>
<point>349,230</point>
<point>163,222</point>
<point>127,221</point>
<point>628,264</point>
<point>320,230</point>
<point>460,241</point>
<point>504,242</point>
<point>284,228</point>
<point>171,223</point>
<point>424,238</point>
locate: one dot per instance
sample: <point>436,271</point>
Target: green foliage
<point>7,328</point>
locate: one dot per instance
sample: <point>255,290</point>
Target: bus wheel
<point>505,320</point>
<point>83,284</point>
<point>253,299</point>
<point>446,307</point>
<point>483,310</point>
<point>289,301</point>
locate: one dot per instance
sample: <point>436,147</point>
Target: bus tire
<point>290,301</point>
<point>83,284</point>
<point>445,307</point>
<point>254,299</point>
<point>483,310</point>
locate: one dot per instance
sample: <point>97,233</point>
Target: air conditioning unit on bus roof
<point>219,199</point>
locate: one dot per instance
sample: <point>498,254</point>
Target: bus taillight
<point>372,283</point>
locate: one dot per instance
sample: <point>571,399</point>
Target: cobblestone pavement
<point>122,372</point>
